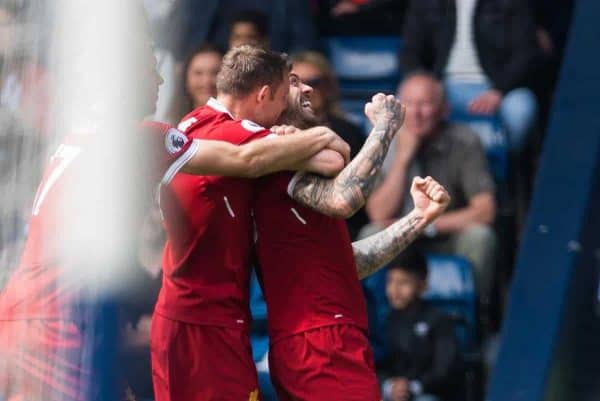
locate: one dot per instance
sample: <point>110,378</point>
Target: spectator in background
<point>24,111</point>
<point>249,27</point>
<point>200,75</point>
<point>423,359</point>
<point>180,27</point>
<point>199,80</point>
<point>314,70</point>
<point>170,100</point>
<point>290,24</point>
<point>452,154</point>
<point>361,17</point>
<point>553,20</point>
<point>484,50</point>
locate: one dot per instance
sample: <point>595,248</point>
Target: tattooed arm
<point>375,251</point>
<point>344,194</point>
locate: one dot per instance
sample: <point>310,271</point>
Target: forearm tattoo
<point>348,191</point>
<point>373,252</point>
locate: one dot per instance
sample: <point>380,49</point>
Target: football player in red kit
<point>310,270</point>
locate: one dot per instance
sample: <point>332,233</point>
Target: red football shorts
<point>328,363</point>
<point>41,360</point>
<point>201,363</point>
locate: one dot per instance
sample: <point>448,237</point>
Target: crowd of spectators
<point>428,145</point>
<point>491,58</point>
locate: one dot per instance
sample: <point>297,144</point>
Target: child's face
<point>402,288</point>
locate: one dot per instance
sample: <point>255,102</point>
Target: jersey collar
<point>218,106</point>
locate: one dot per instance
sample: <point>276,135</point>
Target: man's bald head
<point>425,100</point>
<point>424,81</point>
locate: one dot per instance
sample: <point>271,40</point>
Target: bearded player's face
<point>299,110</point>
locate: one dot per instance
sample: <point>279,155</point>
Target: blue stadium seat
<point>259,339</point>
<point>258,308</point>
<point>493,139</point>
<point>364,64</point>
<point>451,288</point>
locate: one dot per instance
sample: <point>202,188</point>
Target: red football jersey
<point>37,289</point>
<point>306,263</point>
<point>209,232</point>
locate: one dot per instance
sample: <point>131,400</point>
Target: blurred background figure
<point>104,82</point>
<point>485,51</point>
<point>180,29</point>
<point>164,33</point>
<point>314,70</point>
<point>423,360</point>
<point>290,25</point>
<point>200,75</point>
<point>24,113</point>
<point>24,79</point>
<point>137,305</point>
<point>553,20</point>
<point>365,17</point>
<point>199,80</point>
<point>429,146</point>
<point>249,27</point>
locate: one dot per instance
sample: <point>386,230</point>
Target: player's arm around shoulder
<point>317,150</point>
<point>221,158</point>
<point>271,153</point>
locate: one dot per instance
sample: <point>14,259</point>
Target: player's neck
<point>240,109</point>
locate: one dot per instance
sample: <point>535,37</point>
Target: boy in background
<point>422,361</point>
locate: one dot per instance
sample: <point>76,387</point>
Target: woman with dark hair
<point>198,79</point>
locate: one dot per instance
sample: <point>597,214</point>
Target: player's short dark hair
<point>246,68</point>
<point>254,17</point>
<point>412,261</point>
<point>206,47</point>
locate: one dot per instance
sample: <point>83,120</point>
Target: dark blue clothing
<point>421,346</point>
<point>503,32</point>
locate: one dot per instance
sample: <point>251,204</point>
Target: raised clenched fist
<point>384,108</point>
<point>430,198</point>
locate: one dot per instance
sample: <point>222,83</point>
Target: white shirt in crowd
<point>463,64</point>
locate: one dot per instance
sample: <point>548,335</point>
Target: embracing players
<point>199,342</point>
<point>199,338</point>
<point>41,342</point>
